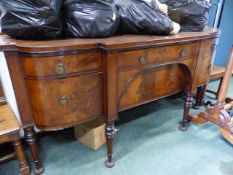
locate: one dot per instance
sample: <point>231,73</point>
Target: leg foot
<point>183,126</point>
<point>187,106</point>
<point>110,131</point>
<point>39,171</point>
<point>109,164</point>
<point>24,168</point>
<point>31,141</point>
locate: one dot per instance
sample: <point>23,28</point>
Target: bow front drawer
<point>62,65</point>
<point>57,102</point>
<point>158,55</point>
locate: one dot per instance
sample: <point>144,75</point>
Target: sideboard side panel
<point>204,62</point>
<point>20,89</point>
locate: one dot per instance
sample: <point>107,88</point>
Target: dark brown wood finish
<point>61,83</point>
<point>23,101</point>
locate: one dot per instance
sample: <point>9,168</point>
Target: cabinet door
<point>139,85</point>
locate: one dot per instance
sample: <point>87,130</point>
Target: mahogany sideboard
<point>62,83</point>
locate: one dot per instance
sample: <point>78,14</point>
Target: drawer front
<point>60,65</point>
<point>158,55</point>
<point>56,102</point>
<point>137,86</point>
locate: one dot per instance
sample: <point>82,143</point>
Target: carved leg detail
<point>31,141</point>
<point>187,105</point>
<point>24,168</point>
<point>200,97</point>
<point>110,131</point>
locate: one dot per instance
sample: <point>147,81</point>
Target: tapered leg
<point>110,131</point>
<point>187,105</point>
<point>31,141</point>
<point>219,86</point>
<point>24,168</point>
<point>200,97</point>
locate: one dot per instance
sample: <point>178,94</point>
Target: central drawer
<point>158,55</point>
<point>57,102</point>
<point>62,65</point>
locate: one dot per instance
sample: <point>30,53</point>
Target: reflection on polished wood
<point>62,83</point>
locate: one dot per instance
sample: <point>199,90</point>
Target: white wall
<point>7,85</point>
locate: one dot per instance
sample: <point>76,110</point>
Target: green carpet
<point>151,144</point>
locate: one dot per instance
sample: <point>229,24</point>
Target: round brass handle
<point>60,69</point>
<point>184,53</point>
<point>142,59</point>
<point>64,101</point>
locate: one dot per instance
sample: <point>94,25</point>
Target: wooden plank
<point>91,134</point>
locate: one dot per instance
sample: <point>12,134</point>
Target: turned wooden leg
<point>110,131</point>
<point>30,138</point>
<point>24,168</point>
<point>187,105</point>
<point>219,86</point>
<point>200,97</point>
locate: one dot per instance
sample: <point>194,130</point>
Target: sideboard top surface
<point>111,43</point>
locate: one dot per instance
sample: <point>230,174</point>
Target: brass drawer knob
<point>60,69</point>
<point>64,101</point>
<point>184,53</point>
<point>142,60</point>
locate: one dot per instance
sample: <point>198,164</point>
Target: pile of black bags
<point>142,17</point>
<point>90,18</point>
<point>27,19</point>
<point>48,19</point>
<point>192,15</point>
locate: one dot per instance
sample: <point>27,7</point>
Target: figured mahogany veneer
<point>65,64</point>
<point>137,86</point>
<point>66,101</point>
<point>158,55</point>
<point>61,83</point>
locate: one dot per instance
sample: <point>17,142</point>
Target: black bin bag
<point>192,15</point>
<point>90,18</point>
<point>31,19</point>
<point>142,17</point>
